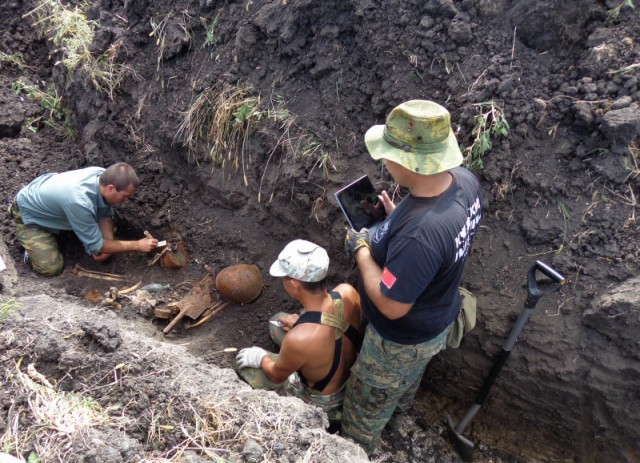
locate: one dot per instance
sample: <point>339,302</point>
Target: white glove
<point>250,357</point>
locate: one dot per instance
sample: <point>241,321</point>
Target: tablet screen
<point>349,199</point>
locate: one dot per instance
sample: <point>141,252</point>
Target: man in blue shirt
<point>411,266</point>
<point>79,200</point>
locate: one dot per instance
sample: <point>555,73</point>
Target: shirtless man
<point>319,346</point>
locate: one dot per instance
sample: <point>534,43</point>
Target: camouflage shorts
<point>384,379</point>
<point>41,246</point>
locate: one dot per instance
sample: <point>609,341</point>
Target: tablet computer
<point>349,199</point>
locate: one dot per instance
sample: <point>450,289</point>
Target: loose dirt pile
<point>311,77</point>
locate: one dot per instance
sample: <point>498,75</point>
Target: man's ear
<point>295,285</point>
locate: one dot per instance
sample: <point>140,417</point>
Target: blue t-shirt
<point>67,201</point>
<point>422,247</point>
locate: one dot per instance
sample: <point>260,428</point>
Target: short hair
<point>120,175</point>
<point>314,286</point>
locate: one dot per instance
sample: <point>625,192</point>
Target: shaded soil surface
<point>562,187</point>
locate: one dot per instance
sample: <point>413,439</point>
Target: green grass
<point>6,307</point>
<point>218,124</point>
<point>211,37</point>
<point>489,124</point>
<point>56,116</point>
<point>15,59</point>
<point>71,33</point>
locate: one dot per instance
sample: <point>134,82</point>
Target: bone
<point>131,289</point>
<point>97,276</point>
<point>94,272</point>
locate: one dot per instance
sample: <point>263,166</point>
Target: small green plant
<point>56,115</point>
<point>490,123</point>
<point>6,307</point>
<point>211,38</point>
<point>16,59</point>
<point>614,13</point>
<point>72,33</point>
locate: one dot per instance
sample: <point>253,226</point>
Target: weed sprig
<point>211,38</point>
<point>490,123</point>
<point>614,13</point>
<point>56,116</point>
<point>16,59</point>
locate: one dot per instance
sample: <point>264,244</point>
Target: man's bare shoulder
<point>301,339</point>
<point>350,295</point>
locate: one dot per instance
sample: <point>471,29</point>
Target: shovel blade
<point>461,444</point>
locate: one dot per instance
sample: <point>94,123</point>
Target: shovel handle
<point>534,294</point>
<point>174,322</point>
<point>534,289</point>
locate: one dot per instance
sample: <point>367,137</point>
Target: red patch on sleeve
<point>388,278</point>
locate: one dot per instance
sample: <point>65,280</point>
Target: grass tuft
<point>55,418</point>
<point>222,118</point>
<point>72,33</point>
<point>56,116</point>
<point>6,307</point>
<point>15,59</point>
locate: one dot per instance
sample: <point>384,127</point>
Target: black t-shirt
<point>422,247</point>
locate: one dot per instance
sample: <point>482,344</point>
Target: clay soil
<point>561,187</point>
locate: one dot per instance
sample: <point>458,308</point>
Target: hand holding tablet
<point>359,204</point>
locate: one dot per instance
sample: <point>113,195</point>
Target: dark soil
<point>562,188</point>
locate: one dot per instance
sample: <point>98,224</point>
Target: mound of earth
<point>561,187</point>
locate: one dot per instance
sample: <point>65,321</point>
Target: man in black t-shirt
<point>411,268</point>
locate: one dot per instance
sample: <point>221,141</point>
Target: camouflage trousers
<point>41,246</point>
<point>292,387</point>
<point>383,380</point>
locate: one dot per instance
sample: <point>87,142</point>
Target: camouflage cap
<point>301,260</point>
<point>418,136</point>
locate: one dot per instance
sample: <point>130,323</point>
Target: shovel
<point>193,304</point>
<point>535,290</point>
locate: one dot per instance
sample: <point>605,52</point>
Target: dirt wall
<point>560,188</point>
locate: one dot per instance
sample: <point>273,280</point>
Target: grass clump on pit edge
<point>6,308</point>
<point>55,418</point>
<point>223,117</point>
<point>72,33</point>
<point>490,123</point>
<point>49,424</point>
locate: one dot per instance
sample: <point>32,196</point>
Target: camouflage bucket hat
<point>418,136</point>
<point>301,260</point>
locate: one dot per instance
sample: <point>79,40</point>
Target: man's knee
<point>42,248</point>
<point>49,267</point>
